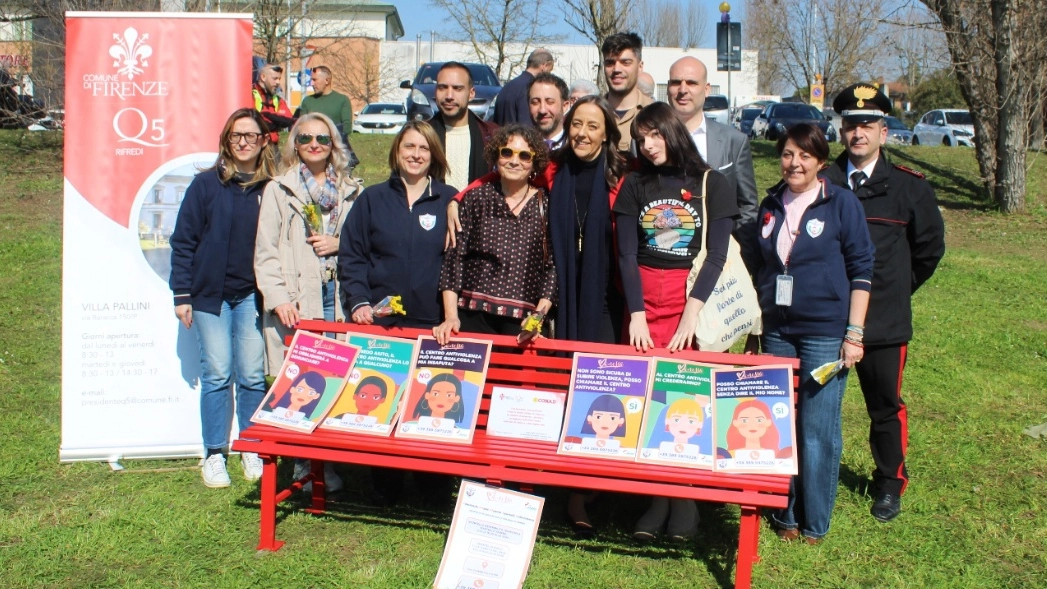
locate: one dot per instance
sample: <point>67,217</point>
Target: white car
<point>381,118</point>
<point>716,109</point>
<point>945,126</point>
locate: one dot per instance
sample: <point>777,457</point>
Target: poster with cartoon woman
<point>677,416</point>
<point>311,378</point>
<point>605,406</point>
<point>754,425</point>
<point>372,394</point>
<point>444,390</point>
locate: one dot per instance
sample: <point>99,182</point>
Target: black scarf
<point>583,280</point>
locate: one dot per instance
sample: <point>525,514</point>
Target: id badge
<point>783,294</point>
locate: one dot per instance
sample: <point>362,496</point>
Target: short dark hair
<point>552,80</point>
<point>535,143</point>
<point>807,137</point>
<point>680,151</point>
<point>539,57</point>
<point>459,65</point>
<point>619,42</point>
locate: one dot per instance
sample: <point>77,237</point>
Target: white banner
<point>146,97</point>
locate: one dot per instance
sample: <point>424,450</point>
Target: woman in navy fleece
<point>212,276</point>
<point>393,239</point>
<point>813,283</point>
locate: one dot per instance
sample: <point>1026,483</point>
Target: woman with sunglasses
<point>659,226</point>
<point>296,256</point>
<point>213,280</point>
<point>501,269</point>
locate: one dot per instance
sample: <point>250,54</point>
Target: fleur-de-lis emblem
<point>130,51</point>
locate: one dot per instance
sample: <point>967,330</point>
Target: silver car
<point>945,126</point>
<point>897,132</point>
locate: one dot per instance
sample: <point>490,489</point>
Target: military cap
<point>861,103</point>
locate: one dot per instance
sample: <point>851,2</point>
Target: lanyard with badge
<point>783,291</point>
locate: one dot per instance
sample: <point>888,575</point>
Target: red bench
<point>499,460</point>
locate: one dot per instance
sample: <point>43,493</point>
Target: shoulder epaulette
<point>909,171</point>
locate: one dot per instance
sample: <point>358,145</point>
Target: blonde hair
<point>437,159</point>
<point>338,158</point>
<point>687,406</point>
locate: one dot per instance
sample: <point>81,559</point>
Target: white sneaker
<point>331,478</point>
<point>214,472</point>
<point>252,465</point>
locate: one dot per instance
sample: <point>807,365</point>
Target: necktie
<point>857,178</point>
<point>549,143</point>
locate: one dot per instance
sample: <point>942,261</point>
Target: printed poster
<point>677,424</point>
<point>372,394</point>
<point>754,423</point>
<point>525,414</point>
<point>444,391</point>
<point>491,539</point>
<point>139,128</point>
<point>311,379</point>
<point>605,406</point>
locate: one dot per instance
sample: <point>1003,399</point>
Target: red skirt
<point>664,296</point>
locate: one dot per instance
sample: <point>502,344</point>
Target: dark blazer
<point>729,154</point>
<point>512,104</point>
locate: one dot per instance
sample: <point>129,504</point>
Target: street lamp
<point>727,35</point>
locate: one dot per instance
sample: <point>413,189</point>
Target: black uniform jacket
<point>909,234</point>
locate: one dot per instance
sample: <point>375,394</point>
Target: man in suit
<point>725,149</point>
<point>512,105</point>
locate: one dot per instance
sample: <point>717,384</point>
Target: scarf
<point>326,196</point>
<point>583,279</point>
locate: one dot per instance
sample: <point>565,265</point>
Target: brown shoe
<point>814,541</point>
<point>788,534</point>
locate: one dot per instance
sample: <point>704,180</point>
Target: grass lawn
<point>974,515</point>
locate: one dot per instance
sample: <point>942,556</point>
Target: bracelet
<point>860,330</point>
<point>854,342</point>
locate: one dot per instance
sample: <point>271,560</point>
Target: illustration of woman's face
<point>683,427</point>
<point>368,398</point>
<point>441,398</point>
<point>301,395</point>
<point>604,423</point>
<point>752,423</point>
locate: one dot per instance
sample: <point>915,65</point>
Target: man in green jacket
<point>325,100</point>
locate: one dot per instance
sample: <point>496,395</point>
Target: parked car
<point>945,126</point>
<point>716,108</point>
<point>421,102</point>
<point>381,118</point>
<point>897,132</point>
<point>778,117</point>
<point>743,121</point>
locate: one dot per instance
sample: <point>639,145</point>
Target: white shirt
<point>700,136</point>
<point>867,169</point>
<point>459,144</point>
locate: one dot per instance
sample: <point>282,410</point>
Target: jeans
<point>819,432</point>
<point>231,345</point>
<point>330,294</point>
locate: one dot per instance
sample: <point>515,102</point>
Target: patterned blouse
<point>503,263</point>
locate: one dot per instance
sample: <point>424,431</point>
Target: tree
<point>501,32</point>
<point>668,23</point>
<point>937,90</point>
<point>597,19</point>
<point>796,39</point>
<point>998,49</point>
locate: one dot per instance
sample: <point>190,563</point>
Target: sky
<point>419,18</point>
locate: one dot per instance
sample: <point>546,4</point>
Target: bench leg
<point>267,537</point>
<point>749,538</point>
<point>319,500</point>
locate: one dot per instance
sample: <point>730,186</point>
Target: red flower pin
<point>685,194</point>
<point>767,218</point>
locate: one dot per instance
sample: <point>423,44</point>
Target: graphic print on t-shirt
<point>669,225</point>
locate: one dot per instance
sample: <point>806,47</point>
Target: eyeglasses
<point>234,138</point>
<point>304,139</point>
<point>525,155</point>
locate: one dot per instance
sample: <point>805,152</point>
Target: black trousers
<point>880,375</point>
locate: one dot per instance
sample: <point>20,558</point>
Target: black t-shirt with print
<point>669,213</point>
